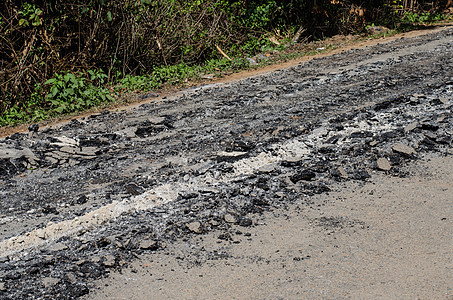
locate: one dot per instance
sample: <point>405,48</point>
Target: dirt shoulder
<point>336,44</point>
<point>390,238</point>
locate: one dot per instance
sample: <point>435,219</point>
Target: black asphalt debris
<point>221,154</point>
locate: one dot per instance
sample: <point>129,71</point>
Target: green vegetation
<point>411,18</point>
<point>70,93</point>
<point>62,57</point>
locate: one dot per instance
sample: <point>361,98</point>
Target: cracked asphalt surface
<point>86,198</point>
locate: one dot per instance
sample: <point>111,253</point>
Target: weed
<point>30,13</point>
<point>29,111</point>
<point>73,92</point>
<point>423,18</point>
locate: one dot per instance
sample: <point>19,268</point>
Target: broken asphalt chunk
<point>134,190</point>
<point>245,222</point>
<point>383,164</point>
<point>410,127</point>
<point>33,128</point>
<point>230,156</point>
<point>303,175</point>
<point>149,245</point>
<point>403,149</point>
<point>195,227</point>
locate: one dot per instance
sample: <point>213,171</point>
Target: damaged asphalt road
<point>84,198</point>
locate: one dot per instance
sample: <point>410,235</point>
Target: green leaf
<point>52,80</point>
<point>53,91</point>
<point>92,74</point>
<point>109,16</point>
<point>69,77</point>
<point>23,22</point>
<point>36,22</point>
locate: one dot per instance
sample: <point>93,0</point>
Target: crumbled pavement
<point>213,158</point>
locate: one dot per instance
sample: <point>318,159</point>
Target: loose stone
<point>195,227</point>
<point>303,175</point>
<point>229,218</point>
<point>383,164</point>
<point>109,261</point>
<point>49,282</point>
<point>410,127</point>
<point>403,149</point>
<point>149,245</point>
<point>245,222</point>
